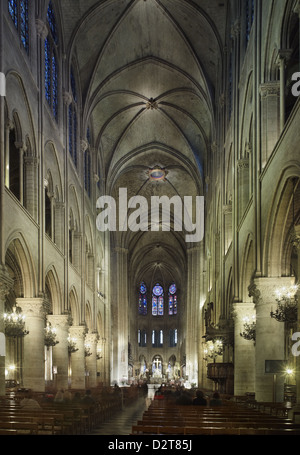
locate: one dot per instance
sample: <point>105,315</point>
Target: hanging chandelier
<point>15,323</point>
<point>287,303</point>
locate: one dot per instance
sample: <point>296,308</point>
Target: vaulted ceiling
<point>148,72</point>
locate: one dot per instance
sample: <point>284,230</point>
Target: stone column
<point>34,346</point>
<point>243,177</point>
<point>60,351</point>
<point>296,243</point>
<point>270,118</point>
<point>91,361</point>
<point>269,336</point>
<point>244,351</point>
<point>59,216</point>
<point>192,318</point>
<point>30,184</point>
<point>120,317</point>
<point>282,58</point>
<point>6,284</point>
<point>78,358</point>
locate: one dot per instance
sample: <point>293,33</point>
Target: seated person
<point>215,400</point>
<point>200,400</point>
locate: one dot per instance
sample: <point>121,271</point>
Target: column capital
<point>283,56</point>
<point>41,28</point>
<point>33,307</point>
<point>263,290</point>
<point>242,164</point>
<point>6,283</point>
<point>270,89</point>
<point>67,98</point>
<point>92,338</point>
<point>243,309</point>
<point>227,209</point>
<point>59,320</point>
<point>78,331</point>
<point>296,237</point>
<point>297,8</point>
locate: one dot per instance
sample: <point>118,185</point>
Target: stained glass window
<point>87,172</point>
<point>173,338</point>
<point>73,126</point>
<point>157,338</point>
<point>143,299</point>
<point>157,300</point>
<point>142,338</point>
<point>73,133</point>
<point>172,299</point>
<point>52,22</point>
<point>249,17</point>
<point>51,65</point>
<point>18,11</point>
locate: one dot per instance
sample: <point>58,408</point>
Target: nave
<point>121,423</point>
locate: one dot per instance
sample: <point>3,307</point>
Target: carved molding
<point>6,284</point>
<point>78,332</point>
<point>33,307</point>
<point>67,98</point>
<point>242,164</point>
<point>270,89</point>
<point>41,29</point>
<point>263,290</point>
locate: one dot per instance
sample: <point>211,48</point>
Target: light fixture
<point>50,336</point>
<point>87,350</point>
<point>287,304</point>
<point>249,332</point>
<point>72,345</point>
<point>15,323</point>
<point>213,349</point>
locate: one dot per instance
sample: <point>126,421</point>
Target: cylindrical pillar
<point>60,351</point>
<point>6,285</point>
<point>269,338</point>
<point>91,360</point>
<point>78,357</point>
<point>244,351</point>
<point>34,342</point>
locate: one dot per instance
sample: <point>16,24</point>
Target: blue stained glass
<point>171,304</point>
<point>73,86</point>
<point>157,290</point>
<point>54,86</point>
<point>143,288</point>
<point>47,71</point>
<point>87,172</point>
<point>52,22</point>
<point>154,306</point>
<point>24,23</point>
<point>172,288</point>
<point>142,304</point>
<point>13,11</point>
<point>175,305</point>
<point>18,11</point>
<point>160,306</point>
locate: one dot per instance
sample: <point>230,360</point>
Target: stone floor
<point>121,423</point>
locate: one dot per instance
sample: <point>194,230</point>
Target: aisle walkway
<point>121,423</point>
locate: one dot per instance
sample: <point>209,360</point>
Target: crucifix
<point>157,363</point>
